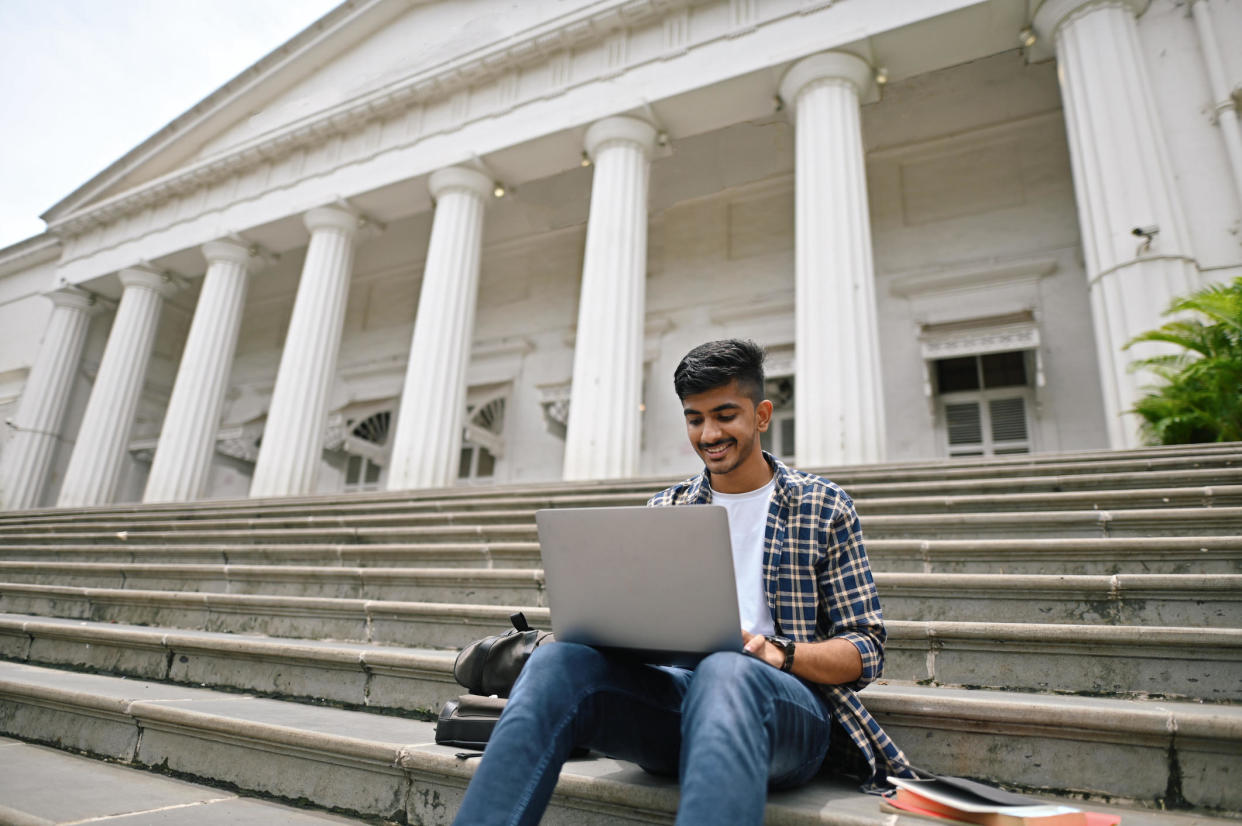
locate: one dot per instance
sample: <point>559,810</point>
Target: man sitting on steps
<point>740,722</point>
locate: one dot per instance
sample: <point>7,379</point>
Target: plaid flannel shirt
<point>819,586</point>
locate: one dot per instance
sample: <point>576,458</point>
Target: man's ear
<point>763,415</point>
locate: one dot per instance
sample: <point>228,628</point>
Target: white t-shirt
<point>748,517</point>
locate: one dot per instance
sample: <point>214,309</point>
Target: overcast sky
<point>84,81</point>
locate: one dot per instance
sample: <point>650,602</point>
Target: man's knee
<point>738,681</point>
<point>733,668</point>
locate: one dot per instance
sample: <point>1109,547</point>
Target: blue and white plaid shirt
<point>819,586</point>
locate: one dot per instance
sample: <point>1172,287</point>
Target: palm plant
<point>1201,397</point>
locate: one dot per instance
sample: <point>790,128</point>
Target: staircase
<point>1066,624</point>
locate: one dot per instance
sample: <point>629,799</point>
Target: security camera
<point>1145,232</point>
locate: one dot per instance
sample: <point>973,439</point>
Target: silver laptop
<point>655,582</point>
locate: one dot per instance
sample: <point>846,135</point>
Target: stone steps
<point>429,554</point>
<point>1208,465</point>
<point>384,622</point>
<point>1083,555</point>
<point>1054,555</point>
<point>1213,521</point>
<point>1199,600</point>
<point>1184,498</point>
<point>1214,486</point>
<point>1175,753</point>
<point>1069,623</point>
<point>1119,660</point>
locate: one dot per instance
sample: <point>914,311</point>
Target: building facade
<point>425,243</point>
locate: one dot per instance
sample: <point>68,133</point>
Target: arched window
<point>366,450</point>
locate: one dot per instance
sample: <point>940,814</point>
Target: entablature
<point>521,103</point>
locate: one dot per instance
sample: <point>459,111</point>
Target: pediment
<point>354,51</point>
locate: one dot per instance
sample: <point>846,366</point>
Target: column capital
<point>157,282</point>
<point>223,249</point>
<point>74,300</point>
<point>1052,13</point>
<point>829,66</point>
<point>628,130</point>
<point>331,217</point>
<point>459,177</point>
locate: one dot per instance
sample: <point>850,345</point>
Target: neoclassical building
<point>434,243</point>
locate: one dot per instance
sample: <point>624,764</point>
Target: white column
<point>187,439</point>
<point>603,434</point>
<point>1223,105</point>
<point>292,447</point>
<point>838,402</point>
<point>1122,179</point>
<point>95,465</point>
<point>41,411</point>
<point>427,442</point>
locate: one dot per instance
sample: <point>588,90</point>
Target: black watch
<point>784,644</point>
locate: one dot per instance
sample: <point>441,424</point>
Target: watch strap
<point>786,645</point>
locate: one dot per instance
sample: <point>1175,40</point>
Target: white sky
<point>84,81</point>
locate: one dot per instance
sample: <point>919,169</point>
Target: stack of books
<point>955,800</point>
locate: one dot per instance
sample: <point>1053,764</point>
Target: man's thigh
<point>742,694</point>
<point>621,707</point>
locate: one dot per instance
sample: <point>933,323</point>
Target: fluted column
<point>427,443</point>
<point>603,433</point>
<point>1223,104</point>
<point>838,400</point>
<point>292,448</point>
<point>187,440</point>
<point>95,464</point>
<point>1122,179</point>
<point>41,410</point>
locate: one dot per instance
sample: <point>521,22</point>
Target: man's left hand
<point>758,646</point>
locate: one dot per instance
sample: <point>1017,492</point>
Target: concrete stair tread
<point>1216,495</point>
<point>1208,600</point>
<point>454,554</point>
<point>1165,718</point>
<point>386,751</point>
<point>40,786</point>
<point>1194,584</point>
<point>1083,554</point>
<point>103,632</point>
<point>1192,457</point>
<point>1127,661</point>
<point>1223,521</point>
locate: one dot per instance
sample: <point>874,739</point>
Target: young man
<point>740,722</point>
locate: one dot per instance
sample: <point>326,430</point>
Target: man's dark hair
<point>717,363</point>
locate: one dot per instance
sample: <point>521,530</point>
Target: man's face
<point>724,426</point>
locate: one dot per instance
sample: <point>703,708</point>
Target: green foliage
<point>1201,398</point>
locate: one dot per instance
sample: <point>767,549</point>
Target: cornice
<point>38,249</point>
<point>969,276</point>
<point>590,25</point>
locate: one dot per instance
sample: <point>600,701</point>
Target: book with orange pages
<point>892,806</point>
<point>958,800</point>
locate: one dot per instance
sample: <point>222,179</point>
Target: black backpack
<point>487,668</point>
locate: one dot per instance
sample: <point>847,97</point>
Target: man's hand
<point>831,662</point>
<point>757,645</point>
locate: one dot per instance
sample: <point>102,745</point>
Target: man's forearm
<point>831,662</point>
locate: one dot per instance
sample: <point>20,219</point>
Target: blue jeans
<point>728,729</point>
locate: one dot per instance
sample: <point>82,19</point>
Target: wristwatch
<point>784,644</point>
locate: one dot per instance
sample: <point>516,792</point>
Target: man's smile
<point>717,450</point>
